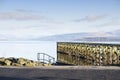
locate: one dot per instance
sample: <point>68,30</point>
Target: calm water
<point>27,49</point>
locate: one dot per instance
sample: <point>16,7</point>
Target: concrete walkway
<point>60,73</point>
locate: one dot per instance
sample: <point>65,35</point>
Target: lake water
<point>27,49</point>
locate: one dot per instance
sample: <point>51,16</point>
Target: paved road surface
<point>60,73</point>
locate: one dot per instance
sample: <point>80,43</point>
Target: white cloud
<point>102,34</point>
<point>21,15</point>
<point>113,23</point>
<point>91,18</point>
<point>28,15</point>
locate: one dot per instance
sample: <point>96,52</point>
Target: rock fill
<point>18,62</point>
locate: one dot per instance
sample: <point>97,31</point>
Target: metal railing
<point>45,59</point>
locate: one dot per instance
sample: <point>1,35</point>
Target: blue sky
<point>27,19</point>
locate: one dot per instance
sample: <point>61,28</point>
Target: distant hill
<point>100,39</point>
<point>91,36</point>
<point>82,36</point>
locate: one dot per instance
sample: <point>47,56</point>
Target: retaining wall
<point>88,53</point>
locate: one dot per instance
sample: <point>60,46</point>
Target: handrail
<point>50,59</point>
<point>46,54</point>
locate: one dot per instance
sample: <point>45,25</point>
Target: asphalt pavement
<point>60,73</point>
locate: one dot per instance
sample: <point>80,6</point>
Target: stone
<point>2,63</point>
<point>21,61</point>
<point>7,62</point>
<point>13,60</point>
<point>2,59</point>
<point>18,62</point>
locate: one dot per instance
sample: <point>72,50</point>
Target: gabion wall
<point>88,53</point>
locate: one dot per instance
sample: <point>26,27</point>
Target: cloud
<point>103,34</point>
<point>116,32</point>
<point>25,15</point>
<point>21,15</point>
<point>22,10</point>
<point>91,18</point>
<point>110,23</point>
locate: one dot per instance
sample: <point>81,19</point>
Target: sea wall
<point>88,53</point>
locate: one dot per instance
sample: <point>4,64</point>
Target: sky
<point>29,19</point>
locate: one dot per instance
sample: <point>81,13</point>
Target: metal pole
<point>38,58</point>
<point>53,60</point>
<point>43,59</point>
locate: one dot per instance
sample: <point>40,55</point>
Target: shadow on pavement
<point>54,78</point>
<point>12,78</point>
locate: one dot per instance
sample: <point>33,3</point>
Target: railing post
<point>53,60</point>
<point>43,59</point>
<point>38,58</point>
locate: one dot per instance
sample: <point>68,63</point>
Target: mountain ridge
<point>84,36</point>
